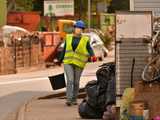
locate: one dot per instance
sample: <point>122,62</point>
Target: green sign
<point>106,21</point>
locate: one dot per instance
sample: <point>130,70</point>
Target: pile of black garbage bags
<point>101,95</point>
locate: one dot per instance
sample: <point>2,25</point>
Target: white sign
<point>58,7</point>
<point>133,25</point>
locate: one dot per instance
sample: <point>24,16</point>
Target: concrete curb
<point>19,113</point>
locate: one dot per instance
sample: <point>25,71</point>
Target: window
<point>68,28</point>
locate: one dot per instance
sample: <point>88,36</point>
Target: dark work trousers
<point>73,74</point>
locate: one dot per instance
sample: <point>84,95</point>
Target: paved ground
<point>38,81</point>
<point>17,89</point>
<point>54,109</point>
<point>51,109</point>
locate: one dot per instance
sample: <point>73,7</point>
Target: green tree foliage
<point>24,5</point>
<point>80,7</point>
<point>118,5</point>
<point>3,12</point>
<point>38,6</point>
<point>106,1</point>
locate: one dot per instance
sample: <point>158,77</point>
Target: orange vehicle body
<point>27,20</point>
<point>64,27</point>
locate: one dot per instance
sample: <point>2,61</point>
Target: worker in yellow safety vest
<point>75,55</point>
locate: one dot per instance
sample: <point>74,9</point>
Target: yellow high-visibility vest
<point>79,57</point>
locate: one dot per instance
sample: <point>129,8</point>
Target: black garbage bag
<point>99,92</point>
<point>86,111</point>
<point>92,92</point>
<point>105,74</point>
<point>107,84</point>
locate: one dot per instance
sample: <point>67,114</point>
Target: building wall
<point>146,5</point>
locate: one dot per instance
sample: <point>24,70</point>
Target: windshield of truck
<point>68,28</point>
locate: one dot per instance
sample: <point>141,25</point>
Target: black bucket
<point>57,81</point>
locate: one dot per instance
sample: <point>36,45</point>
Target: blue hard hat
<point>79,24</point>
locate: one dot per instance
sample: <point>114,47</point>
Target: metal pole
<point>15,55</point>
<point>89,14</point>
<point>80,10</point>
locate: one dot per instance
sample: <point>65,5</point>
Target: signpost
<point>89,14</point>
<point>58,8</point>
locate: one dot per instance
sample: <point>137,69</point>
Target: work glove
<point>93,58</point>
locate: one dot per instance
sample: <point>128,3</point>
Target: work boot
<point>68,103</point>
<point>74,102</point>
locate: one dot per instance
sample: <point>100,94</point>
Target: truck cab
<point>64,27</point>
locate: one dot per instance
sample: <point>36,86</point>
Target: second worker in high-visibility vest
<point>75,55</point>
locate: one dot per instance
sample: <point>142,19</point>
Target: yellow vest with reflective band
<point>79,57</point>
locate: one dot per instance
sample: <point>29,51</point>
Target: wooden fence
<point>20,54</point>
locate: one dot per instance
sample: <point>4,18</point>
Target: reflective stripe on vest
<point>78,57</point>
